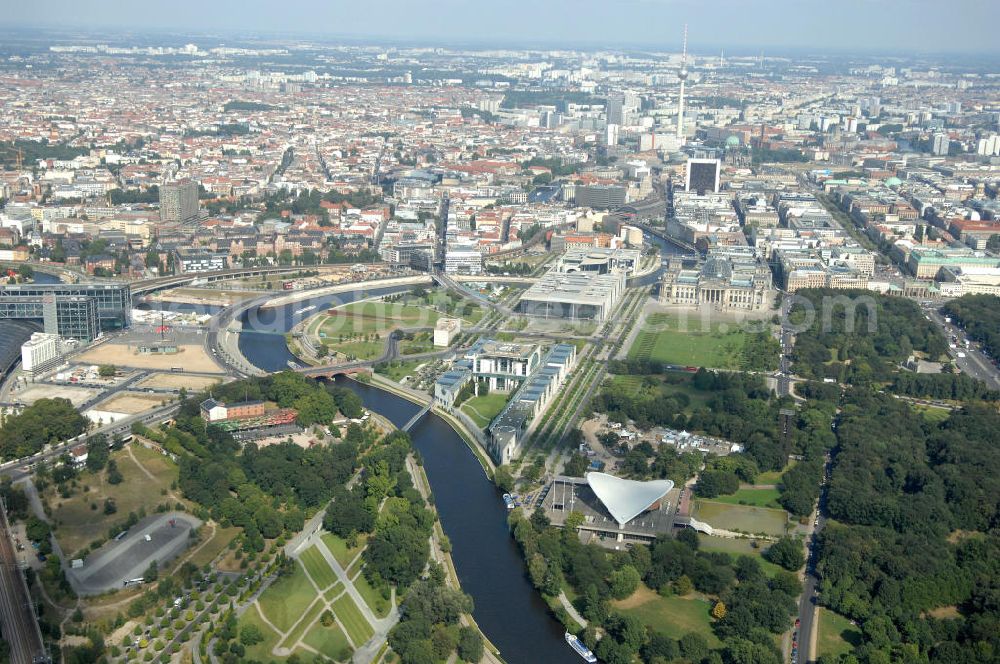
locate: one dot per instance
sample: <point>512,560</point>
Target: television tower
<point>682,75</point>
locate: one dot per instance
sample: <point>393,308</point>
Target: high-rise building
<point>703,176</point>
<point>179,202</point>
<point>600,196</point>
<point>941,144</point>
<point>616,109</point>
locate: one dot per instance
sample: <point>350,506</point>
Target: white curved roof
<point>626,499</point>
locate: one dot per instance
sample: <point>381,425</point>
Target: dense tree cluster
<point>858,337</point>
<point>979,315</point>
<point>741,409</point>
<point>45,421</point>
<point>264,490</point>
<point>753,607</point>
<point>943,386</point>
<point>427,630</point>
<point>916,508</point>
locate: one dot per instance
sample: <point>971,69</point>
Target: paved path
<point>570,609</point>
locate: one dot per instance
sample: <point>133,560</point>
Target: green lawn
<point>836,634</point>
<point>379,317</point>
<point>397,370</point>
<point>330,641</point>
<point>672,616</point>
<point>933,414</point>
<point>310,617</point>
<point>318,568</point>
<point>361,350</point>
<point>333,591</point>
<point>260,651</point>
<point>373,598</point>
<point>666,338</point>
<point>738,547</point>
<point>483,409</point>
<point>772,476</point>
<point>741,517</point>
<point>338,547</point>
<point>755,497</point>
<point>354,623</point>
<point>285,600</point>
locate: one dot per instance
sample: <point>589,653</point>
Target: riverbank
<point>389,385</point>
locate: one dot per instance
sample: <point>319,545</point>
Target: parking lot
<point>161,537</point>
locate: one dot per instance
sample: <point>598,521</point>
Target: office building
<point>503,365</point>
<point>940,144</point>
<point>601,260</point>
<point>616,109</point>
<point>703,176</point>
<point>445,331</point>
<point>601,196</point>
<point>73,311</point>
<point>463,259</point>
<point>42,351</point>
<point>525,407</point>
<point>68,316</point>
<point>200,260</point>
<point>179,202</point>
<point>573,295</point>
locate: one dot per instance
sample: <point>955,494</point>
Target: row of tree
<point>979,315</point>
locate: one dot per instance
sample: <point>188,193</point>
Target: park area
<point>671,616</point>
<point>741,518</point>
<point>310,611</point>
<point>672,339</point>
<point>81,518</point>
<point>836,636</point>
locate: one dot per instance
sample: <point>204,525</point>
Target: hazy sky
<point>863,25</point>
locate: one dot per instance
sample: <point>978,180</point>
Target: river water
<point>489,565</point>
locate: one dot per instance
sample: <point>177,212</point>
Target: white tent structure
<point>626,499</point>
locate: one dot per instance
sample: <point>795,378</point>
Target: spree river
<point>489,564</point>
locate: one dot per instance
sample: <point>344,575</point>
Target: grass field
<point>373,598</point>
<point>330,641</point>
<point>260,651</point>
<point>354,623</point>
<point>378,317</point>
<point>668,339</point>
<point>422,342</point>
<point>836,634</point>
<point>285,600</point>
<point>738,547</point>
<point>360,350</point>
<point>772,476</point>
<point>333,591</point>
<point>397,370</point>
<point>932,414</point>
<point>754,497</point>
<point>81,519</point>
<point>308,618</point>
<point>671,616</point>
<point>483,409</point>
<point>741,517</point>
<point>338,547</point>
<point>318,568</point>
<point>643,387</point>
<point>215,546</point>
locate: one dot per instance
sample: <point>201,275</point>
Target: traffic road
<point>969,359</point>
<point>808,602</point>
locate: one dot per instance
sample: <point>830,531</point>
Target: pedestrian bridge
<point>416,418</point>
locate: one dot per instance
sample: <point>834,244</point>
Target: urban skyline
<point>781,26</point>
